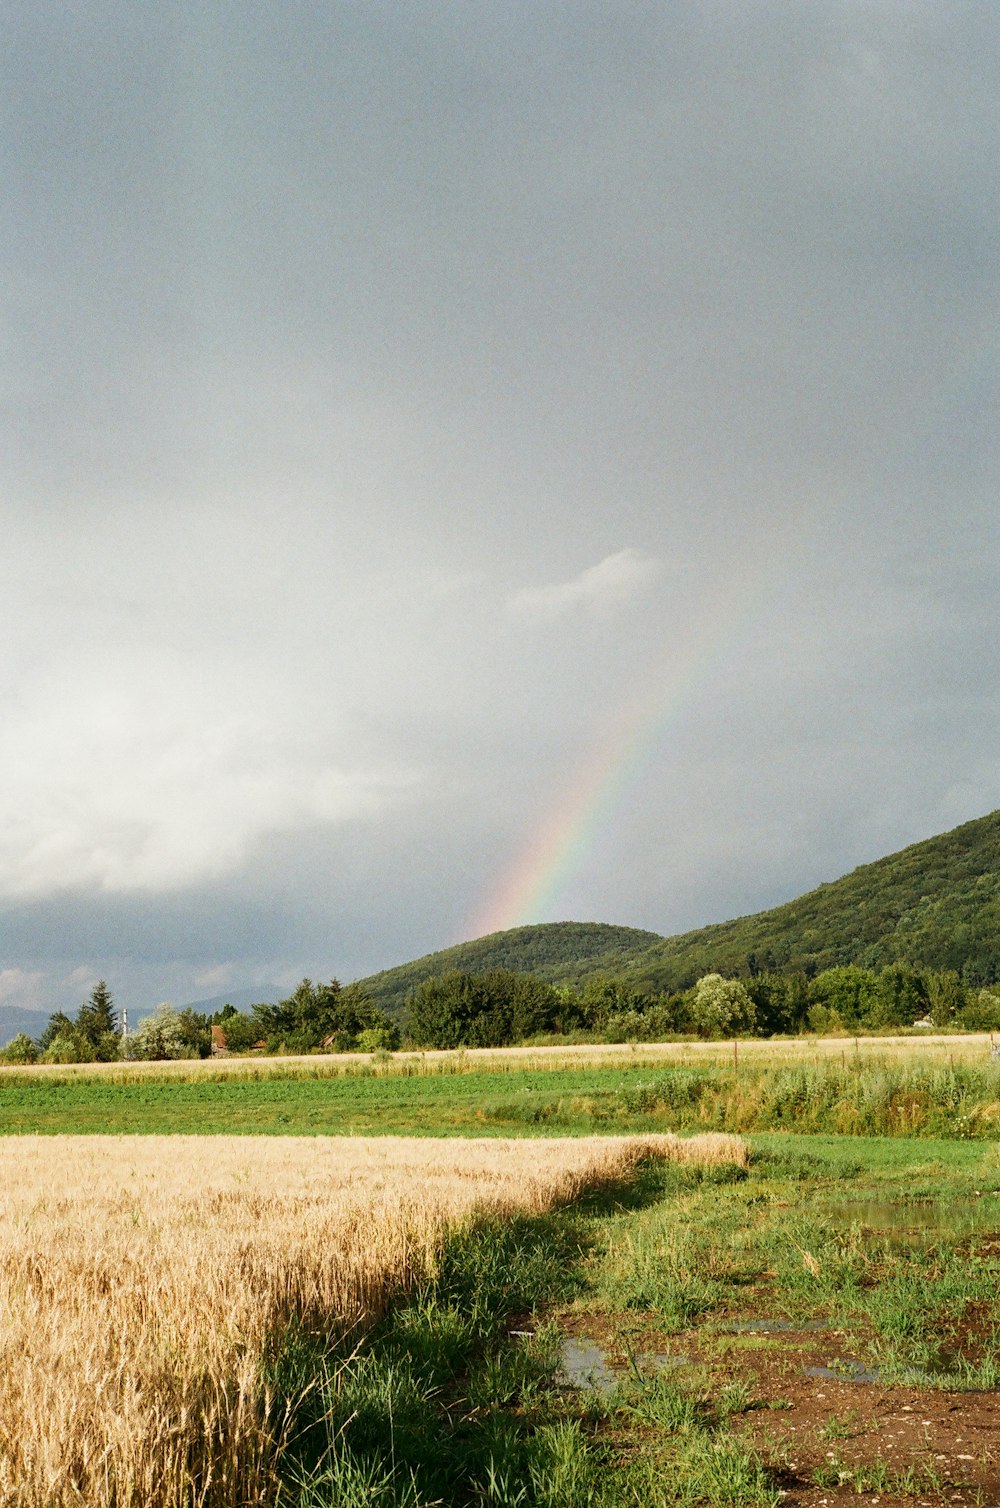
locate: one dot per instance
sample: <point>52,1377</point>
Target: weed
<point>841,1426</point>
<point>879,1476</point>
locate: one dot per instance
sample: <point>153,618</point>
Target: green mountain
<point>563,952</point>
<point>934,905</point>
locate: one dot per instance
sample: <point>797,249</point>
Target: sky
<point>479,462</point>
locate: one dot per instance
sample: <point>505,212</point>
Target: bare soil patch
<point>829,1441</point>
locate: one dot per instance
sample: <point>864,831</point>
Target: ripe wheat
<point>146,1281</point>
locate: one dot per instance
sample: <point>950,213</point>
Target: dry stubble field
<point>146,1280</point>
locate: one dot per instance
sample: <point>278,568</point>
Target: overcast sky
<point>470,463</point>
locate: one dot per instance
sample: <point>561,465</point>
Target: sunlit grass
<point>782,1243</point>
<point>934,1048</point>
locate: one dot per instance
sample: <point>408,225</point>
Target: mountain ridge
<point>933,904</point>
<point>562,952</point>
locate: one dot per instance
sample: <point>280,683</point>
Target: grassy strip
<point>439,1403</point>
<point>435,1105</point>
<point>874,1099</point>
<point>791,1240</point>
<point>554,1053</point>
<point>908,1097</point>
<point>442,1404</point>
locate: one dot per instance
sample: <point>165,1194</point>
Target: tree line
<point>501,1007</point>
<point>331,1016</point>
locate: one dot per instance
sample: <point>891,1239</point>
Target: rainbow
<point>614,766</point>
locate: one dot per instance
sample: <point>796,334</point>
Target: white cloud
<point>601,588</point>
<point>159,775</point>
<point>81,978</point>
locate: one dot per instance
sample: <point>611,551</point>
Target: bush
<point>982,1014</point>
<point>722,1008</point>
<point>20,1049</point>
<point>240,1031</point>
<point>378,1039</point>
<point>158,1038</point>
<point>491,1009</point>
<point>824,1018</point>
<point>68,1047</point>
<point>625,1026</point>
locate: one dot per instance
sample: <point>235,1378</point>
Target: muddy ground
<point>830,1440</point>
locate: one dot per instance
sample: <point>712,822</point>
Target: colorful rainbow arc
<point>611,770</point>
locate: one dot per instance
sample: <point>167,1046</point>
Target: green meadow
<point>900,1095</point>
<point>707,1336</point>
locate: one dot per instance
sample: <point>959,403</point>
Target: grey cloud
<point>329,333</point>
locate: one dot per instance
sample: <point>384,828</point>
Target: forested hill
<point>935,905</point>
<point>563,952</point>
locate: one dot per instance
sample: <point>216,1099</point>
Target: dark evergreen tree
<point>59,1025</point>
<point>97,1023</point>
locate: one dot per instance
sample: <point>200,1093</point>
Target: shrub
<point>68,1047</point>
<point>20,1049</point>
<point>824,1018</point>
<point>378,1039</point>
<point>158,1038</point>
<point>722,1007</point>
<point>982,1014</point>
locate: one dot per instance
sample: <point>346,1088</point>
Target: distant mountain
<point>563,952</point>
<point>935,905</point>
<point>264,994</point>
<point>13,1019</point>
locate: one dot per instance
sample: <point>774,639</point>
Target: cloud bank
<point>326,328</point>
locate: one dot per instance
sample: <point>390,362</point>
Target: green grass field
<point>708,1298</point>
<point>901,1095</point>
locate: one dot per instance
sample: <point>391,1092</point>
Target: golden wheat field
<point>145,1280</point>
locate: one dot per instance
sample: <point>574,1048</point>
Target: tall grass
<point>148,1284</point>
<point>882,1098</point>
<point>956,1047</point>
<point>887,1097</point>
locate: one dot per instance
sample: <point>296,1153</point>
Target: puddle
<point>926,1372</point>
<point>914,1222</point>
<point>582,1364</point>
<point>844,1371</point>
<point>661,1361</point>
